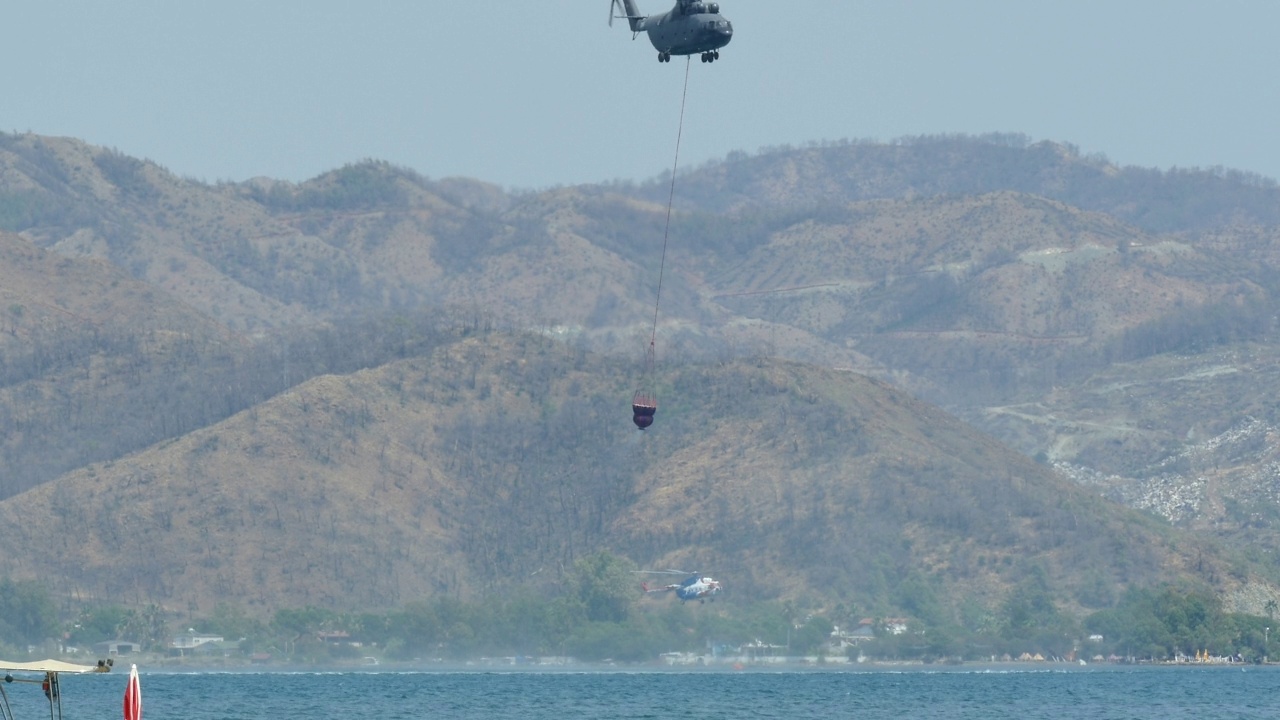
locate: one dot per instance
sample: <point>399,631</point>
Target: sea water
<point>1123,693</point>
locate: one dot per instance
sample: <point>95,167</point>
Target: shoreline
<point>148,665</point>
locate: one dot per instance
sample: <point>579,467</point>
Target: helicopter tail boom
<point>632,14</point>
<point>665,588</point>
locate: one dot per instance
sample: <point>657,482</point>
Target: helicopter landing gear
<point>664,57</point>
<point>708,57</point>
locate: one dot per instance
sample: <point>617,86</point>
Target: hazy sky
<point>532,93</point>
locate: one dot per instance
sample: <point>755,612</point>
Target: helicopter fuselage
<point>681,34</point>
<point>692,26</point>
<point>698,588</point>
<point>694,587</point>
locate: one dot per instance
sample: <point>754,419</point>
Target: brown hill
<point>1017,285</point>
<point>78,339</point>
<point>1009,283</point>
<point>46,294</point>
<point>367,237</point>
<point>984,297</point>
<point>494,458</point>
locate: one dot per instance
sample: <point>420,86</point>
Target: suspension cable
<point>666,232</point>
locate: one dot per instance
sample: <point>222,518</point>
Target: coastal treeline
<point>591,624</point>
<point>602,615</point>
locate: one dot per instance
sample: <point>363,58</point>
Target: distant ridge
<point>958,165</point>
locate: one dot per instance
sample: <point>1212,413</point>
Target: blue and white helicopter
<point>694,587</point>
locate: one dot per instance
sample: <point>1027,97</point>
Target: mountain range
<point>949,358</point>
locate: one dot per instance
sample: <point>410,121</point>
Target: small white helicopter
<point>694,587</point>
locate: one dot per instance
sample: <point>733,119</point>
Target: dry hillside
<point>323,390</point>
<point>490,459</point>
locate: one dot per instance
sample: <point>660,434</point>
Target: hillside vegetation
<point>491,459</point>
<point>373,386</point>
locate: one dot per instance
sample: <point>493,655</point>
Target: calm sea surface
<point>1092,692</point>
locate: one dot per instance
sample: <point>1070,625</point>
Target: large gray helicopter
<point>692,26</point>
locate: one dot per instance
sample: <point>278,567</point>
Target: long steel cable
<point>666,232</point>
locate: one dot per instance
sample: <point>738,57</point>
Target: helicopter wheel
<point>715,55</point>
